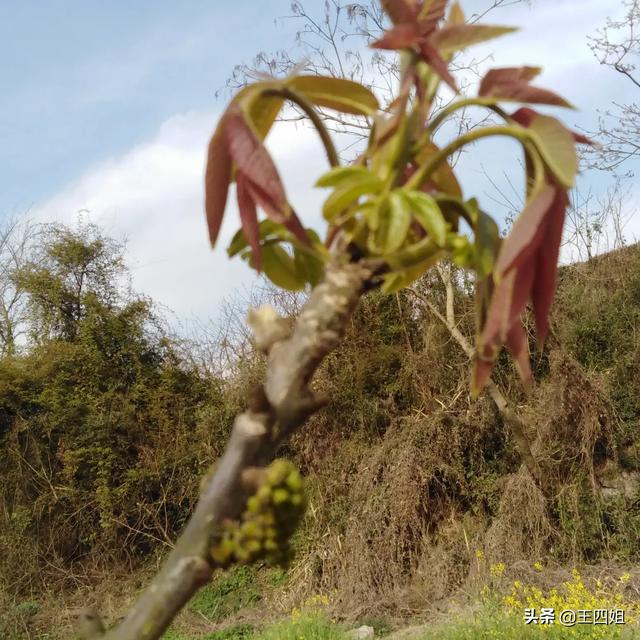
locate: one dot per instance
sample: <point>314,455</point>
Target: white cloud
<point>153,196</point>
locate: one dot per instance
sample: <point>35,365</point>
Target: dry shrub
<point>383,519</point>
<point>573,429</point>
<point>522,527</point>
<point>396,519</point>
<point>575,424</point>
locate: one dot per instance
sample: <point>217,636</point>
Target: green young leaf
<point>456,15</point>
<point>443,177</point>
<point>281,268</point>
<point>487,238</point>
<point>557,148</point>
<point>348,193</point>
<point>336,93</point>
<point>371,212</point>
<point>428,214</point>
<point>309,266</point>
<point>271,231</point>
<point>400,279</point>
<point>392,148</point>
<point>237,244</point>
<point>452,38</point>
<point>394,223</point>
<point>262,110</point>
<point>267,229</point>
<point>413,255</point>
<point>462,251</point>
<point>337,175</point>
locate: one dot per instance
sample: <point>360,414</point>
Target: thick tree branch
<point>278,408</point>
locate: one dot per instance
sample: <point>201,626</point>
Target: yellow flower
<point>479,554</point>
<point>538,566</point>
<point>497,569</point>
<point>625,577</point>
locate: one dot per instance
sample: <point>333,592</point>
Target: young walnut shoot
<point>393,214</point>
<point>398,206</point>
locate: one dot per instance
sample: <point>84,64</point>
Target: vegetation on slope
<point>107,422</point>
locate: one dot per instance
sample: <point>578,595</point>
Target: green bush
<point>228,592</point>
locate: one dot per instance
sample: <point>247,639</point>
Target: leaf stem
<point>489,103</point>
<point>412,255</point>
<point>420,176</point>
<point>312,114</point>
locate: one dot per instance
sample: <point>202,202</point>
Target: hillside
<point>418,495</point>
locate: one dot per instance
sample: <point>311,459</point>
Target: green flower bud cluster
<point>269,521</point>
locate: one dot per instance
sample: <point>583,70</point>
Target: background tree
<point>16,240</point>
<point>99,415</point>
<point>617,46</point>
<point>70,273</point>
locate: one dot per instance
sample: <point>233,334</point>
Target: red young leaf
<point>502,324</point>
<point>507,76</point>
<point>438,64</point>
<point>289,219</point>
<point>526,270</point>
<point>295,226</point>
<point>249,219</point>
<point>512,83</point>
<point>526,232</point>
<point>533,95</point>
<point>411,31</point>
<point>507,304</point>
<point>520,294</point>
<point>481,373</point>
<point>216,181</point>
<point>400,10</point>
<point>497,316</point>
<point>431,13</point>
<point>401,36</point>
<point>547,263</point>
<point>524,116</point>
<point>581,139</point>
<point>264,201</point>
<point>253,160</point>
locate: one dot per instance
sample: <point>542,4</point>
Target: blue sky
<point>107,106</point>
<point>83,80</point>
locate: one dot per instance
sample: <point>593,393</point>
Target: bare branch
<point>617,46</point>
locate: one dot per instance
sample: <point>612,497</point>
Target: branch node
<point>251,425</point>
<point>268,327</point>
